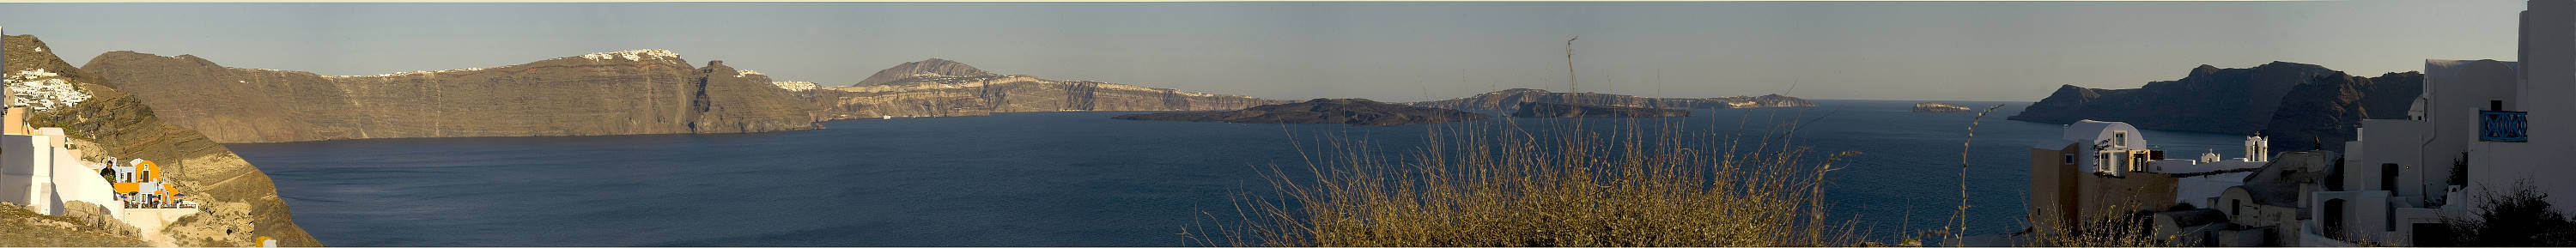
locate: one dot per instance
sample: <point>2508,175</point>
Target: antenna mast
<point>1569,65</point>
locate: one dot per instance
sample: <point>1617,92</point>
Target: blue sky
<point>1394,51</point>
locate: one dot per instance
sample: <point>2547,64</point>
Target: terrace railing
<point>2503,126</point>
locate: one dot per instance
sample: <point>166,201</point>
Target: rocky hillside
<point>1322,111</point>
<point>933,67</point>
<point>937,95</point>
<point>1511,99</point>
<point>241,202</point>
<point>2323,113</point>
<point>30,229</point>
<point>2208,99</point>
<point>614,93</point>
<point>2290,101</point>
<point>1560,110</point>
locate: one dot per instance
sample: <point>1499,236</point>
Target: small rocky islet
<point>1939,107</point>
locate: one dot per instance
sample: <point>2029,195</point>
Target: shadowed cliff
<point>2302,106</point>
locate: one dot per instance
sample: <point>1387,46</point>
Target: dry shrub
<point>1496,184</point>
<point>2116,226</point>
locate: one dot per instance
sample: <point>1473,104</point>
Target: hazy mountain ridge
<point>1511,99</point>
<point>1560,110</point>
<point>1351,111</point>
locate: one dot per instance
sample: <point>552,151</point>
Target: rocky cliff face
<point>629,92</point>
<point>1560,110</point>
<point>1511,99</point>
<point>2208,99</point>
<point>122,125</point>
<point>933,67</point>
<point>2302,106</point>
<point>1322,111</point>
<point>2323,113</point>
<point>935,96</point>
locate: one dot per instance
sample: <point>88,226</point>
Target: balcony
<point>2503,126</point>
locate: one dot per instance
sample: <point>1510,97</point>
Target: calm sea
<point>1021,179</point>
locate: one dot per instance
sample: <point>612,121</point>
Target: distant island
<point>1352,111</point>
<point>1560,110</point>
<point>2301,106</point>
<point>1510,100</point>
<point>1938,107</point>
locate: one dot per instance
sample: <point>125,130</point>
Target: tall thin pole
<point>1569,65</point>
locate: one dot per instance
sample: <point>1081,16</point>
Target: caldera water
<point>1021,179</point>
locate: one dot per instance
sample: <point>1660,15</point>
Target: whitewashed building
<point>2480,126</point>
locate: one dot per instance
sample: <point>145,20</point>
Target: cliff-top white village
<point>2396,185</point>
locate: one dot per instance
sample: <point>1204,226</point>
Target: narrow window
<point>2388,177</point>
<point>2120,138</point>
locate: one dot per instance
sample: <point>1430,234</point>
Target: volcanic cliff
<point>2302,106</point>
<point>241,203</point>
<point>614,93</point>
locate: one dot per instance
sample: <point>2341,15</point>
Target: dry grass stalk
<point>1500,185</point>
<point>2115,226</point>
<point>1958,228</point>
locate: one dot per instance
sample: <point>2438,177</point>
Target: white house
<point>2480,126</point>
<point>2111,148</point>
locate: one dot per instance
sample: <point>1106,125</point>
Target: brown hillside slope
<point>122,125</point>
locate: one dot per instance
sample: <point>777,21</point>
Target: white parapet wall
<point>37,172</point>
<point>73,181</point>
<point>17,177</point>
<point>20,154</point>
